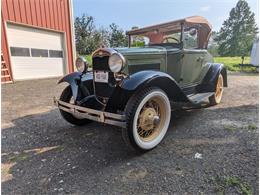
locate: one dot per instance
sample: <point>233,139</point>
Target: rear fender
<point>209,82</point>
<point>141,80</point>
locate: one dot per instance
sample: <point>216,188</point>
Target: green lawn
<point>89,59</point>
<point>231,63</point>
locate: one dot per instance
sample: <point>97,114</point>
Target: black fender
<point>77,80</point>
<point>208,83</point>
<point>141,80</point>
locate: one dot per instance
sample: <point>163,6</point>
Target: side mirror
<point>193,32</point>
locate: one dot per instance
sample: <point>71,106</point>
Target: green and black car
<point>136,88</point>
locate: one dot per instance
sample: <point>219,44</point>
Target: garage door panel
<point>26,68</point>
<point>31,37</point>
<point>46,54</point>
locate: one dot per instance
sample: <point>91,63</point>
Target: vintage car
<point>136,88</point>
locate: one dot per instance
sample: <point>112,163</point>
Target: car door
<point>193,60</point>
<point>191,66</point>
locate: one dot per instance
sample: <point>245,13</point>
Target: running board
<point>200,98</point>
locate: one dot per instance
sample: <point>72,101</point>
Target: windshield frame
<point>175,45</point>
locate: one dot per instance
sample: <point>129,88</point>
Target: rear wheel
<point>148,116</point>
<point>67,97</point>
<point>216,98</point>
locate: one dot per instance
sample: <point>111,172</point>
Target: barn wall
<point>50,14</point>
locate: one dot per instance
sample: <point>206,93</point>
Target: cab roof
<point>175,26</point>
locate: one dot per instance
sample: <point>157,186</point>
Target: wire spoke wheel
<point>149,114</point>
<point>216,98</point>
<point>150,120</point>
<point>219,89</point>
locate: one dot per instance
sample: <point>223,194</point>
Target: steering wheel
<point>166,40</point>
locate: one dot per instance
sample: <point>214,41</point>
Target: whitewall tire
<point>148,115</point>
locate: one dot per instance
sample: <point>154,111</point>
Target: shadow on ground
<point>42,153</point>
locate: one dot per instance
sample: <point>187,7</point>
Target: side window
<point>190,38</point>
<point>39,52</point>
<point>20,51</point>
<point>55,54</point>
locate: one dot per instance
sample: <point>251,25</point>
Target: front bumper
<point>91,114</point>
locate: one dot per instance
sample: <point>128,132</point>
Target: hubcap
<point>149,120</point>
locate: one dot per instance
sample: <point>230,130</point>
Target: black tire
<point>66,96</point>
<point>131,111</point>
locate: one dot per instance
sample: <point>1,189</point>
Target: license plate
<point>101,76</point>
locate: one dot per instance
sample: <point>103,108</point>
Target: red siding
<point>5,51</point>
<point>51,14</point>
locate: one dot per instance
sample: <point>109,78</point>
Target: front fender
<point>144,79</point>
<point>74,79</point>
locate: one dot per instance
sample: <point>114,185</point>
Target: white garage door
<point>35,53</point>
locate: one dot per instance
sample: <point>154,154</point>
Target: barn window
<point>20,51</point>
<point>39,52</point>
<point>55,54</point>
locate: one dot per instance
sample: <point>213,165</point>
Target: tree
<point>104,36</point>
<point>237,34</point>
<point>137,40</point>
<point>213,44</point>
<point>117,36</point>
<point>88,38</point>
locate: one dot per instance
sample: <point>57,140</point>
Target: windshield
<point>155,39</point>
<point>169,39</point>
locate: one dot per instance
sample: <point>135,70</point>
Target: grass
<point>230,128</point>
<point>252,127</point>
<point>223,183</point>
<point>17,157</point>
<point>232,63</point>
<point>89,59</point>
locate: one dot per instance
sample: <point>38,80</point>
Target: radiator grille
<point>100,63</point>
<point>103,89</point>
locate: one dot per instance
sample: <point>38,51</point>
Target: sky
<point>129,13</point>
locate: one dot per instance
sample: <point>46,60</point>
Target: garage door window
<point>20,51</point>
<point>39,52</point>
<point>55,54</point>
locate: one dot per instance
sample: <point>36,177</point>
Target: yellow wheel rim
<point>151,119</point>
<point>219,89</point>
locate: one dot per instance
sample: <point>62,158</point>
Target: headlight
<point>81,64</point>
<point>116,62</point>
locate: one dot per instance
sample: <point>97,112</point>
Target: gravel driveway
<point>43,154</point>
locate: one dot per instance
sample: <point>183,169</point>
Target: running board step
<point>200,98</point>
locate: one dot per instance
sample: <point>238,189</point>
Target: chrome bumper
<point>91,114</point>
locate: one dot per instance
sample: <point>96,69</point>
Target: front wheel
<point>66,96</point>
<point>148,115</point>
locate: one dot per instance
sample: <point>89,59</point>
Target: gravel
<point>206,151</point>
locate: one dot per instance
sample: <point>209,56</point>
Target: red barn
<point>37,39</point>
